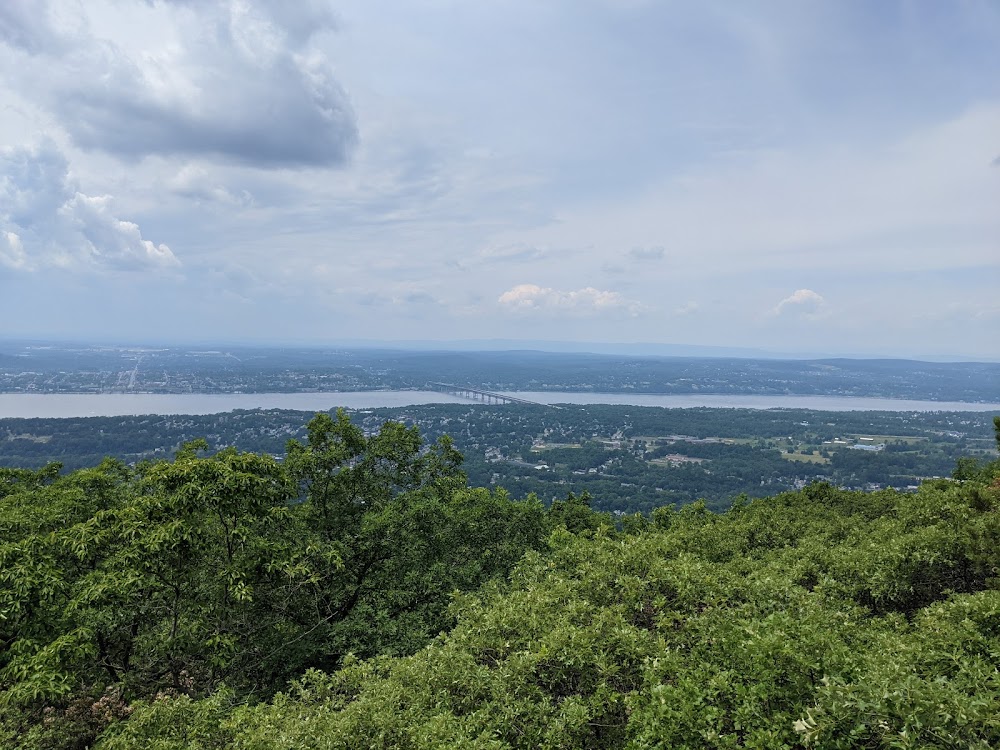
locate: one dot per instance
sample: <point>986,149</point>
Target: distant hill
<point>228,369</point>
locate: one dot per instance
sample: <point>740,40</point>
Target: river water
<point>122,404</point>
<point>726,401</point>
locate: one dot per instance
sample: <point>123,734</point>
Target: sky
<point>793,176</point>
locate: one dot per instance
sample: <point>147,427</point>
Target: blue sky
<point>820,176</point>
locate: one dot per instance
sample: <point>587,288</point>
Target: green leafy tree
<point>822,617</point>
<point>174,580</point>
<point>163,605</point>
<point>409,533</point>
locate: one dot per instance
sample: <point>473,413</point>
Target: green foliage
<point>168,605</point>
<point>179,578</point>
<point>173,722</point>
<point>575,514</point>
<point>934,684</point>
<point>72,726</point>
<point>14,479</point>
<point>822,617</point>
<point>500,446</point>
<point>408,531</point>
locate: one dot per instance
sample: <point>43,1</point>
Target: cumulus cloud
<point>803,302</point>
<point>688,308</point>
<point>236,80</point>
<point>531,297</point>
<point>45,220</point>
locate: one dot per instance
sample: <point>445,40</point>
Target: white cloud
<point>531,297</point>
<point>29,26</point>
<point>234,80</point>
<point>194,181</point>
<point>12,252</point>
<point>921,200</point>
<point>47,222</point>
<point>804,302</point>
<point>486,160</point>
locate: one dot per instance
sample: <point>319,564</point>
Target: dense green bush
<point>175,579</point>
<point>163,606</point>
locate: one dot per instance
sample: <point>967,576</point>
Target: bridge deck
<point>480,395</point>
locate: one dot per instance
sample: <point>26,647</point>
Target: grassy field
<point>813,458</point>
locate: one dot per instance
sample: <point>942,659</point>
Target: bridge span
<point>477,394</point>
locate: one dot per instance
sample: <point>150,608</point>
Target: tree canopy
<point>360,594</point>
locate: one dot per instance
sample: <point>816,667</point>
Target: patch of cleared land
<point>909,439</point>
<point>31,438</point>
<point>812,458</point>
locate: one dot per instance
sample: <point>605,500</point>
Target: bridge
<point>476,394</point>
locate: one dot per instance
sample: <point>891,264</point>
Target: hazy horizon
<point>605,348</point>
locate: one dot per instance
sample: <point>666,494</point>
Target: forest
<point>360,593</point>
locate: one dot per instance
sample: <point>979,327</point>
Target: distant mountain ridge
<point>640,349</point>
<point>629,349</point>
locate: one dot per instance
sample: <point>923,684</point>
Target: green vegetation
<point>612,452</point>
<point>806,457</point>
<point>360,594</point>
<point>184,576</point>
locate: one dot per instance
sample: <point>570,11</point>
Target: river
<point>122,404</point>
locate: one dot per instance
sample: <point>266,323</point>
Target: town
<point>629,458</point>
